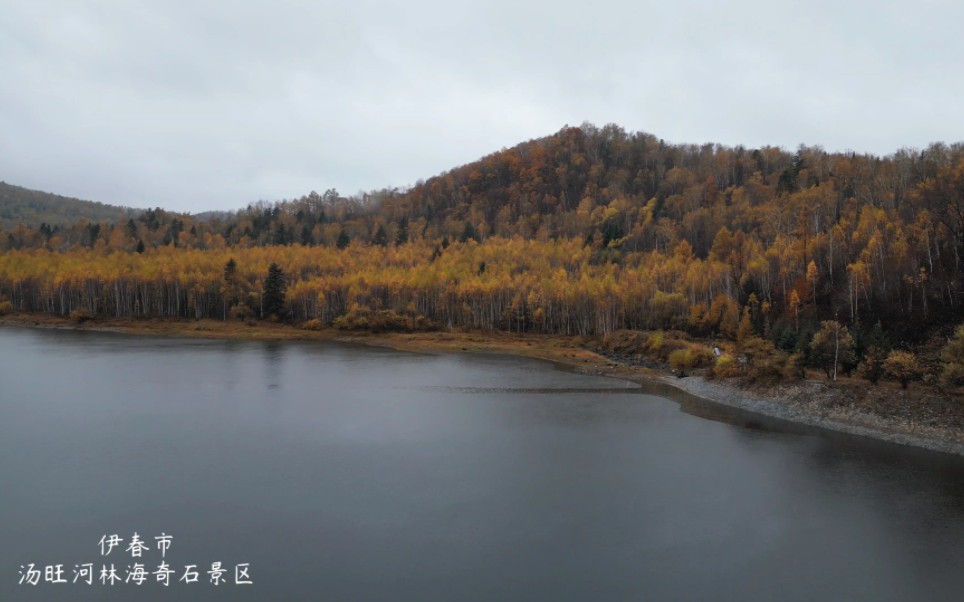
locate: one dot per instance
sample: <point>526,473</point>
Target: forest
<point>785,258</point>
<point>38,208</point>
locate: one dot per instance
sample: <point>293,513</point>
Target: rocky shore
<point>821,405</point>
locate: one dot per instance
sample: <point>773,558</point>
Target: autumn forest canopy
<point>585,232</point>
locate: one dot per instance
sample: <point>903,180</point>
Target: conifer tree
<point>273,301</point>
<point>343,239</point>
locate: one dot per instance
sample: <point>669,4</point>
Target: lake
<point>324,471</point>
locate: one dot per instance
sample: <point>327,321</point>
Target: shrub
<point>314,324</point>
<point>655,343</point>
<point>726,367</point>
<point>772,368</point>
<point>682,360</point>
<point>902,366</point>
<point>794,367</point>
<point>952,374</point>
<point>661,345</point>
<point>241,312</point>
<point>360,317</point>
<point>355,319</point>
<point>81,315</point>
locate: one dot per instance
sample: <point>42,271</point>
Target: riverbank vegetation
<point>758,263</point>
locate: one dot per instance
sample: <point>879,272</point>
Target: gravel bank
<point>806,402</point>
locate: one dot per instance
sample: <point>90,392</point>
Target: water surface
<point>350,473</point>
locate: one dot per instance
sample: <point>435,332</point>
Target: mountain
<point>34,207</point>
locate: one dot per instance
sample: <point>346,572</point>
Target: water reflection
<point>273,354</point>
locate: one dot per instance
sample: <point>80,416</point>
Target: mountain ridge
<point>35,207</point>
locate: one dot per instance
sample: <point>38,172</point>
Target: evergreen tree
<point>273,300</point>
<point>281,235</point>
<point>381,237</point>
<point>401,235</point>
<point>468,233</point>
<point>230,269</point>
<point>93,231</point>
<point>874,347</point>
<point>343,239</point>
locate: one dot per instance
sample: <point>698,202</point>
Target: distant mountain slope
<point>34,207</point>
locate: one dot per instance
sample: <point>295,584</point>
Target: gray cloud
<point>196,106</point>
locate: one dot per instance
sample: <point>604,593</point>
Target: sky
<point>211,105</point>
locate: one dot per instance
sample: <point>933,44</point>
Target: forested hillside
<point>35,208</point>
<point>587,231</point>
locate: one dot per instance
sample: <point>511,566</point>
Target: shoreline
<point>810,403</point>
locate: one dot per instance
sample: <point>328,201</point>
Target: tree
<point>872,367</point>
<point>944,196</point>
<point>830,347</point>
<point>812,276</point>
<point>902,366</point>
<point>745,330</point>
<point>381,237</point>
<point>230,270</point>
<point>468,233</point>
<point>730,320</point>
<point>229,287</point>
<point>281,235</point>
<point>874,346</point>
<point>273,300</point>
<point>401,235</point>
<point>343,239</point>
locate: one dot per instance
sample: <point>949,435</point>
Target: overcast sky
<point>203,105</point>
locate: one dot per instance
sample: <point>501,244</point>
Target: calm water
<point>349,473</point>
